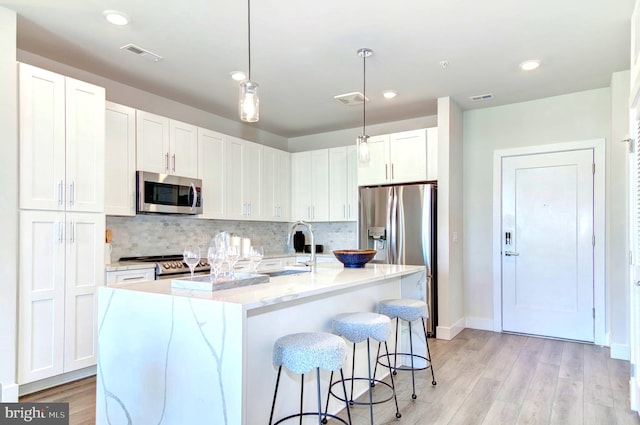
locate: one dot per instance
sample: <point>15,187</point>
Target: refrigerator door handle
<point>391,225</point>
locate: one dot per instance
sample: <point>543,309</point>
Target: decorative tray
<point>208,283</point>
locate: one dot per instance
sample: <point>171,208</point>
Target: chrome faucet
<point>312,260</point>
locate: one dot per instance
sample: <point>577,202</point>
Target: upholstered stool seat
<point>408,310</point>
<point>360,327</point>
<point>303,352</point>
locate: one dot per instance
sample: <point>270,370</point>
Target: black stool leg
<point>353,369</point>
<point>413,376</point>
<point>370,381</point>
<point>301,395</point>
<point>275,393</point>
<point>319,397</point>
<point>395,350</point>
<point>426,340</point>
<point>344,388</point>
<point>375,369</point>
<point>326,409</point>
<point>393,385</point>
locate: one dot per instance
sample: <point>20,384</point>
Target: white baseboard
<point>8,393</point>
<point>480,323</point>
<point>448,333</point>
<point>54,381</point>
<point>620,351</point>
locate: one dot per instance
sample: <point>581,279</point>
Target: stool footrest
<point>405,368</point>
<point>366,403</point>
<point>298,415</point>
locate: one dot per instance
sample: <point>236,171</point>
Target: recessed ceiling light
<point>530,65</point>
<point>389,94</point>
<point>115,17</point>
<point>238,75</point>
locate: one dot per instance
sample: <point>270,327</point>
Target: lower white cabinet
<point>61,268</point>
<point>123,277</point>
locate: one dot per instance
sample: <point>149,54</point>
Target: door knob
<point>511,253</point>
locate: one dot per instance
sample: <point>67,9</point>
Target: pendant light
<point>249,102</point>
<point>362,141</point>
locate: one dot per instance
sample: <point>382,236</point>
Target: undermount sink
<point>285,272</point>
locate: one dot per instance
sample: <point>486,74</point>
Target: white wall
<point>450,288</point>
<point>573,117</point>
<point>347,137</point>
<point>139,99</point>
<point>617,244</point>
<point>9,210</point>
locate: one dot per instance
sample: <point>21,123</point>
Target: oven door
<point>166,194</point>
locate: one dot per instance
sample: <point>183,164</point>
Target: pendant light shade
<point>362,141</point>
<point>249,104</point>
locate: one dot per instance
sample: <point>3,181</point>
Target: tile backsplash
<point>167,234</point>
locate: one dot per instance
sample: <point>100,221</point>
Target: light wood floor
<point>483,378</point>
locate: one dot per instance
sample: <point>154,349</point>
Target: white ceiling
<point>304,52</point>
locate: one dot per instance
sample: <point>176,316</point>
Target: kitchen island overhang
<point>186,356</point>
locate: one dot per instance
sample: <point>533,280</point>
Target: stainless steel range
<point>171,266</point>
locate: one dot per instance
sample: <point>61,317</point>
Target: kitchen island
<point>177,356</point>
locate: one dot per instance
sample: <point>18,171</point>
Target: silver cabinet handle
<point>511,253</point>
<point>392,173</point>
<point>60,232</point>
<point>386,171</point>
<point>173,157</point>
<point>166,161</point>
<point>72,193</point>
<point>72,239</point>
<point>60,190</point>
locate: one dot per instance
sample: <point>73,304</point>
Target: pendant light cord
<point>364,92</point>
<point>249,34</point>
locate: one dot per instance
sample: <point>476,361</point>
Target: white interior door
<point>547,244</point>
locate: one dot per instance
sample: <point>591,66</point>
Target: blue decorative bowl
<point>354,258</point>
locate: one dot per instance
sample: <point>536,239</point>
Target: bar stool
<point>359,327</point>
<point>408,310</point>
<point>303,352</point>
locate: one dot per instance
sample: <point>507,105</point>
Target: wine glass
<point>216,258</point>
<point>233,255</point>
<point>256,253</point>
<point>191,256</point>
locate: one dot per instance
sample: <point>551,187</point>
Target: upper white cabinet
<point>61,268</point>
<point>276,184</point>
<point>120,157</point>
<point>62,135</point>
<point>310,185</point>
<point>166,146</point>
<point>343,184</point>
<point>244,173</point>
<point>212,170</point>
<point>410,156</point>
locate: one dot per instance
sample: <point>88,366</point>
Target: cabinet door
<point>212,165</point>
<point>352,183</point>
<point>85,118</point>
<point>236,207</point>
<point>338,184</point>
<point>84,274</point>
<point>283,185</point>
<point>120,160</point>
<point>301,186</point>
<point>408,156</point>
<point>320,185</point>
<point>152,143</point>
<point>251,185</point>
<point>183,149</point>
<point>376,170</point>
<point>432,153</point>
<point>42,139</point>
<point>243,179</point>
<point>41,295</point>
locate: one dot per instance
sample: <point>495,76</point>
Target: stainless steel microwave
<point>167,194</point>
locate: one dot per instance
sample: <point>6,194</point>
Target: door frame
<point>599,226</point>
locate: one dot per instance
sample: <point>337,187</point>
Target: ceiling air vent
<point>355,98</point>
<point>139,51</point>
<point>481,97</point>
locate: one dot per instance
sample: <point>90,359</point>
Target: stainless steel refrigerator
<point>400,223</point>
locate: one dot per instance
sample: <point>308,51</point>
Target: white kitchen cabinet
<point>61,267</point>
<point>212,170</point>
<point>120,160</point>
<point>343,184</point>
<point>123,277</point>
<point>62,132</point>
<point>405,157</point>
<point>310,185</point>
<point>166,146</point>
<point>244,172</point>
<point>276,184</point>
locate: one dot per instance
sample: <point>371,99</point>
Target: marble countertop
<point>327,278</point>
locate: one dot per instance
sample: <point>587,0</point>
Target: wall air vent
<point>139,51</point>
<point>355,98</point>
<point>481,97</point>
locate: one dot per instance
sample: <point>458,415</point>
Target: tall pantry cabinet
<point>62,222</point>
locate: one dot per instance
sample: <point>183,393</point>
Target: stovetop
<point>169,264</point>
